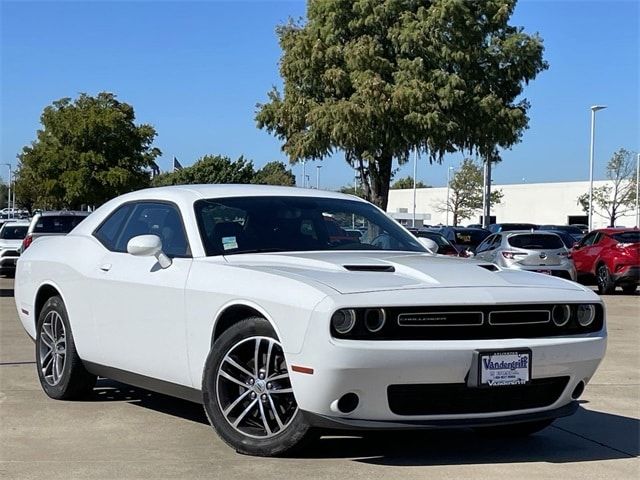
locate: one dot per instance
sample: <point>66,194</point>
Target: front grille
<point>457,398</point>
<point>469,322</point>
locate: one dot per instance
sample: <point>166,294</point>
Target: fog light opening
<point>348,402</point>
<point>578,391</point>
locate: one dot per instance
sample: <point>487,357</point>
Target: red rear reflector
<point>299,369</point>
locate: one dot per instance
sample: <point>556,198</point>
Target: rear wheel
<point>60,370</point>
<point>606,285</point>
<point>247,392</point>
<point>515,429</point>
<point>629,289</point>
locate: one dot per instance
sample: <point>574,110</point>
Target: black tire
<point>296,432</point>
<point>72,380</point>
<point>629,289</point>
<point>514,430</point>
<point>606,285</point>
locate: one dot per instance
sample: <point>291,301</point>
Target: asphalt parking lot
<point>126,433</point>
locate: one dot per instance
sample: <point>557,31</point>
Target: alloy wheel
<point>254,389</point>
<point>53,348</point>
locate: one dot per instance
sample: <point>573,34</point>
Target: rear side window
<point>109,231</point>
<point>627,237</point>
<point>536,241</point>
<point>57,223</point>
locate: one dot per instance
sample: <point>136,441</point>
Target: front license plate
<point>504,368</point>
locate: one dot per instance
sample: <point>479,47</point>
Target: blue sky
<point>195,70</point>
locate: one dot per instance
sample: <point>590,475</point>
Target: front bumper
<point>8,262</point>
<point>369,368</point>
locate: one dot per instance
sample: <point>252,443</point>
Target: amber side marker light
<point>299,369</point>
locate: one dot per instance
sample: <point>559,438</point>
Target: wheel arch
<point>236,311</point>
<point>44,293</point>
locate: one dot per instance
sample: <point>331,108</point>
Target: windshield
<point>536,241</point>
<point>13,232</point>
<point>627,237</point>
<point>286,224</point>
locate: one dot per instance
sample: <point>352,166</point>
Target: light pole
<point>448,182</point>
<point>594,109</point>
<point>415,172</point>
<point>304,174</point>
<point>9,212</point>
<point>318,167</point>
<point>637,190</point>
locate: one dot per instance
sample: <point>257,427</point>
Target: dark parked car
<point>510,227</point>
<point>573,230</point>
<point>444,246</point>
<point>568,239</point>
<point>465,239</point>
<point>611,258</point>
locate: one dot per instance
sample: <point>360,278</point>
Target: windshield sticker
<point>229,243</point>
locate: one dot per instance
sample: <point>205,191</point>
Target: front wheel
<point>514,430</point>
<point>247,392</point>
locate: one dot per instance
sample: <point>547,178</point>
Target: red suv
<point>611,257</point>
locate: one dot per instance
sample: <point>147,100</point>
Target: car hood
<point>359,272</point>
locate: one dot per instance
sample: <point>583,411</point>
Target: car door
<point>582,254</point>
<point>138,305</point>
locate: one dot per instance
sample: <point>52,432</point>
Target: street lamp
<point>415,172</point>
<point>594,109</point>
<point>304,174</point>
<point>318,167</point>
<point>448,182</point>
<point>9,192</point>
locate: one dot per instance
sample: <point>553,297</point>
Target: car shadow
<point>6,292</point>
<point>588,435</point>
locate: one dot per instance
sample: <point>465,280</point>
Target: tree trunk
<point>379,179</point>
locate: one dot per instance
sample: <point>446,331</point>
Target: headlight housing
<point>585,314</point>
<point>561,314</point>
<point>343,320</point>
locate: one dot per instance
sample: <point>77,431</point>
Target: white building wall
<point>537,203</point>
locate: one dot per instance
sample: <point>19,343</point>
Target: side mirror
<point>429,244</point>
<point>148,246</point>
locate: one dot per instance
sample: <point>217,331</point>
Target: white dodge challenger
<point>286,310</point>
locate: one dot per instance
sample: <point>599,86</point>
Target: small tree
<point>274,173</point>
<point>88,151</point>
<point>407,182</point>
<point>209,169</point>
<point>613,200</point>
<point>466,192</point>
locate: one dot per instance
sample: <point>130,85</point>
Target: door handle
<point>105,267</point>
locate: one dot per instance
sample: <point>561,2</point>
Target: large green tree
<point>466,192</point>
<point>87,151</point>
<point>209,169</point>
<point>378,78</point>
<point>618,196</point>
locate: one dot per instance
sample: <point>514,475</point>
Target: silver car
<point>541,252</point>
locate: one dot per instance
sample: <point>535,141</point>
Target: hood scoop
<point>370,268</point>
<point>489,266</point>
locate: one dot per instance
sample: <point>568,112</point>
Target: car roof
<point>510,233</point>
<point>61,213</point>
<point>616,230</point>
<point>20,223</point>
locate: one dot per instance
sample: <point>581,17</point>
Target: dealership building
<point>540,203</point>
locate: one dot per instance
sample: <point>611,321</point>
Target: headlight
<point>585,315</point>
<point>374,319</point>
<point>561,314</point>
<point>343,321</point>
